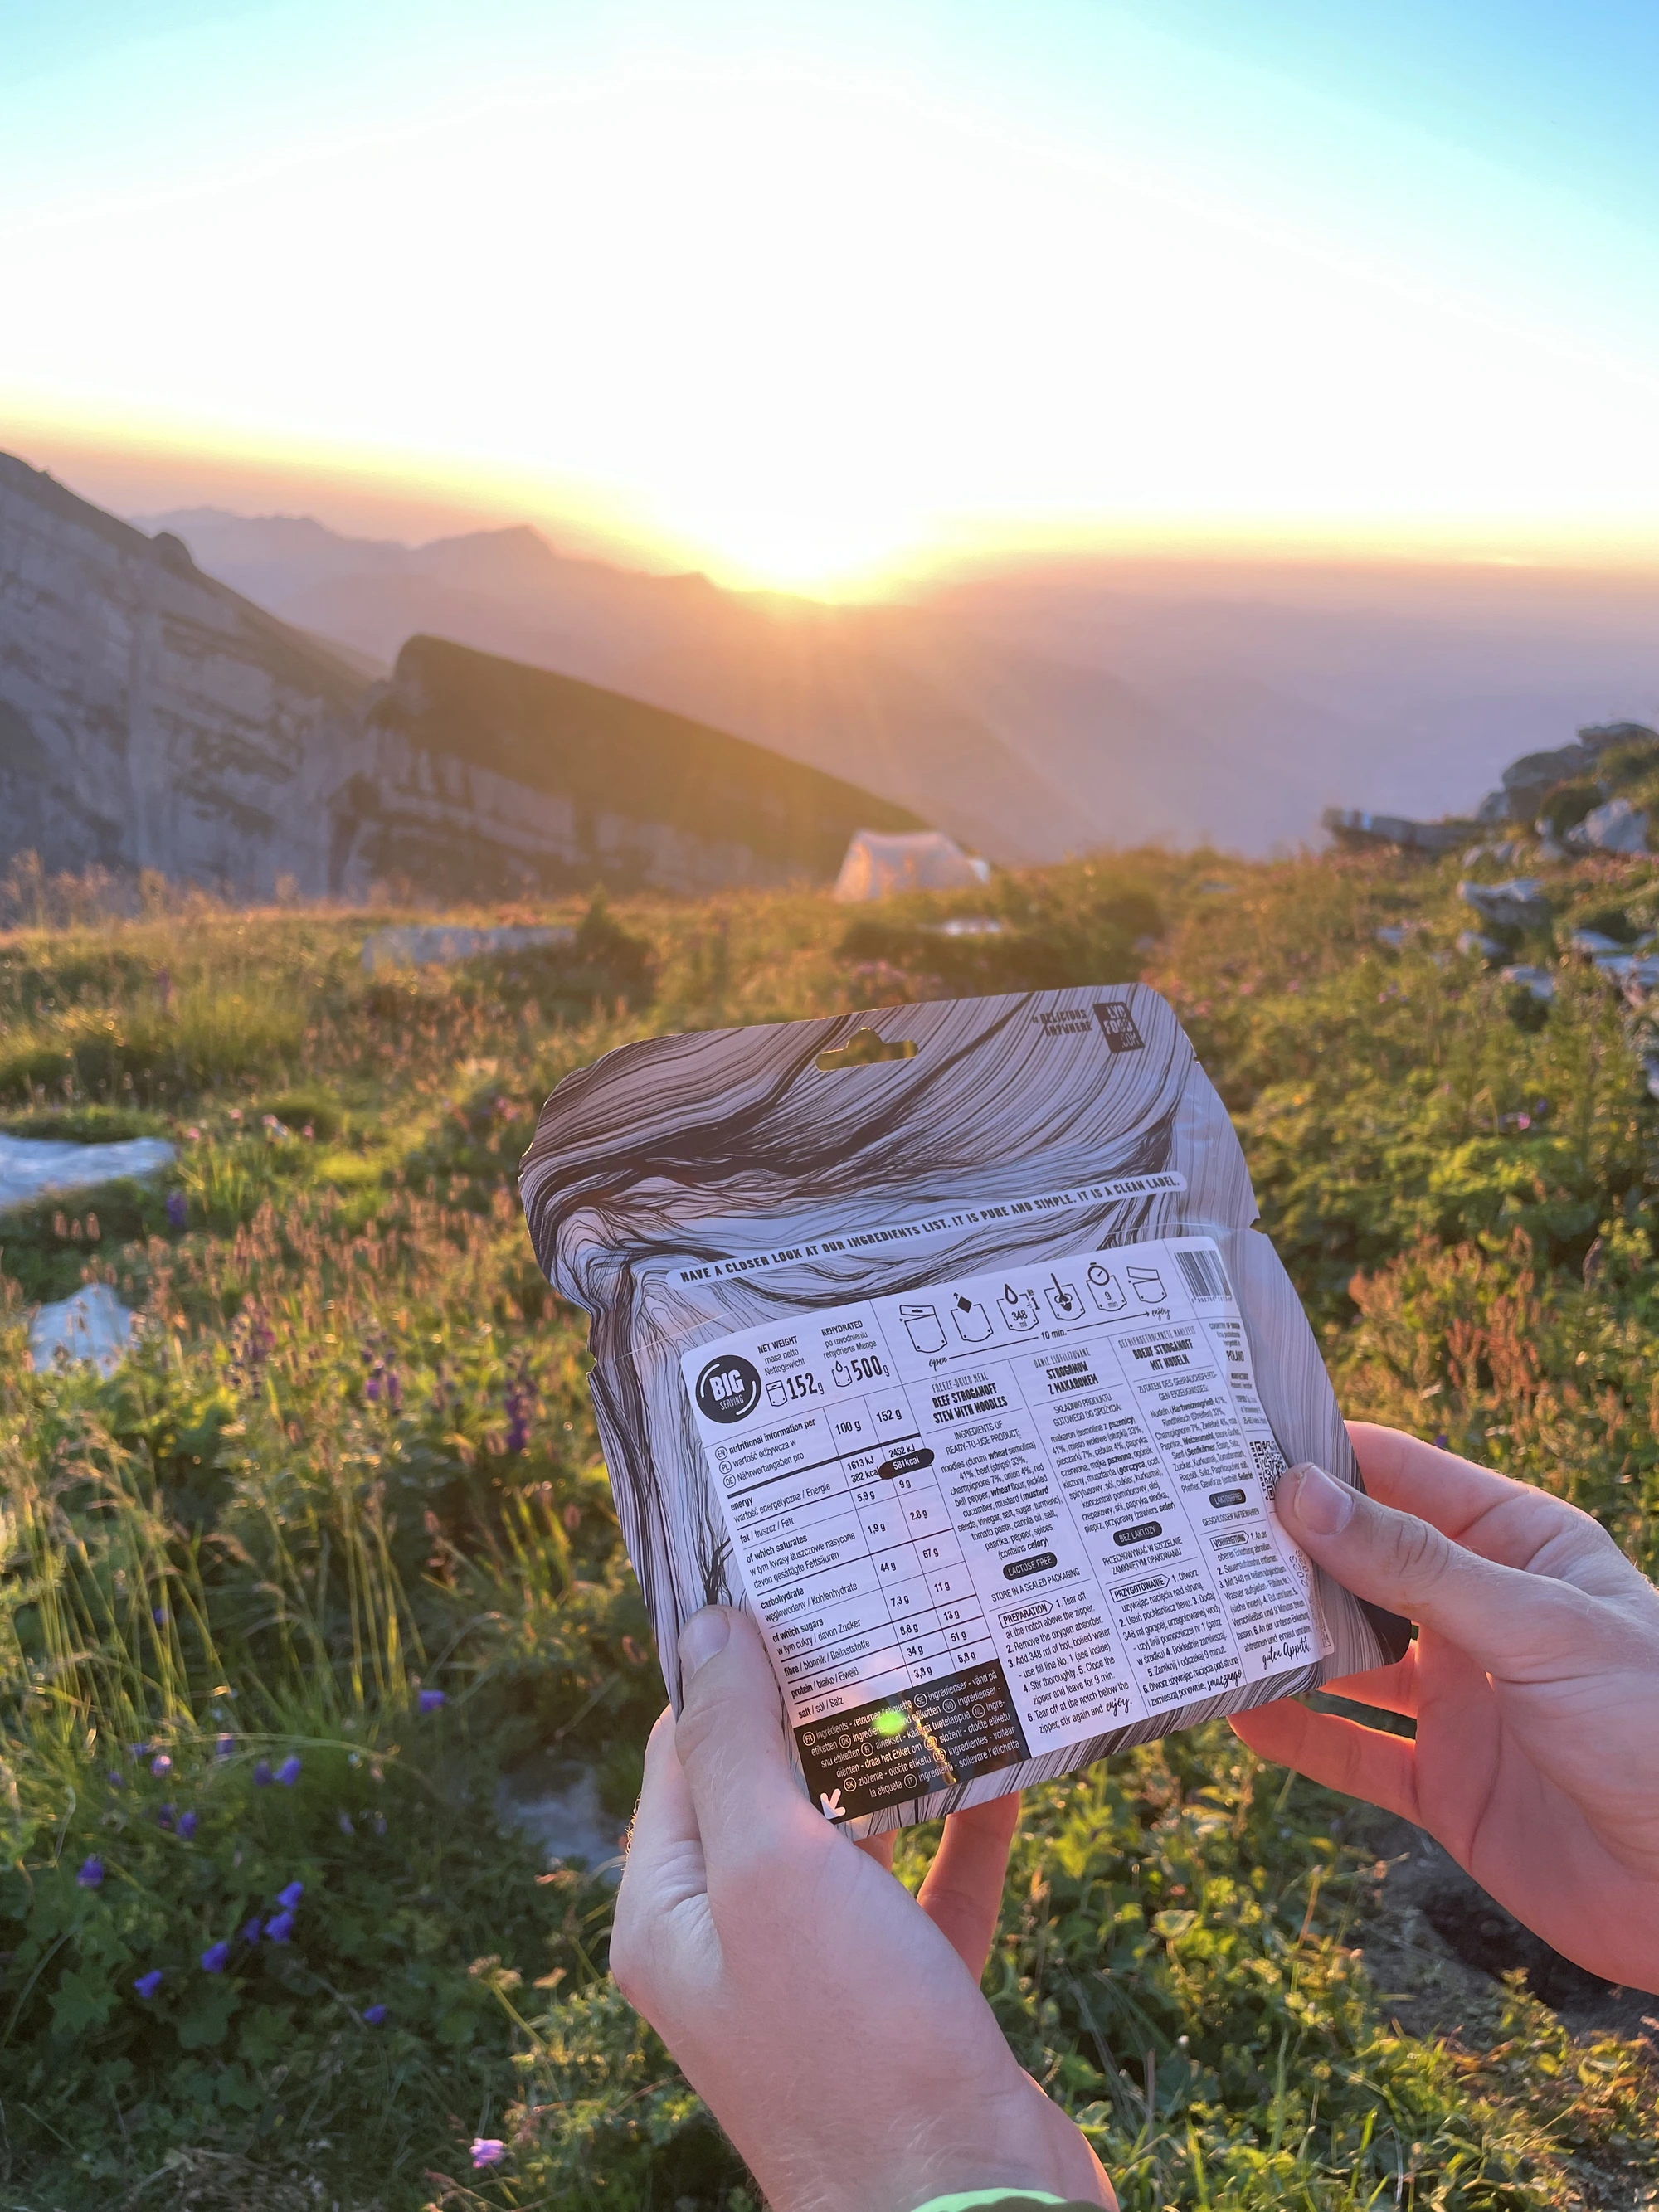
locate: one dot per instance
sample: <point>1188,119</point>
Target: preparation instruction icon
<point>1148,1284</point>
<point>1064,1299</point>
<point>1019,1307</point>
<point>1104,1288</point>
<point>927,1333</point>
<point>973,1322</point>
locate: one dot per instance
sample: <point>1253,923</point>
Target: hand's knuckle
<point>699,1726</point>
<point>1419,1552</point>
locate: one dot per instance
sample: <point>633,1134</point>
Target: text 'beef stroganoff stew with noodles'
<point>941,1339</point>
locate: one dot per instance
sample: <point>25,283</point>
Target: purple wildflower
<point>178,1209</point>
<point>251,1930</point>
<point>346,1828</point>
<point>213,1959</point>
<point>160,1764</point>
<point>115,1778</point>
<point>147,1985</point>
<point>373,2015</point>
<point>164,1816</point>
<point>289,1898</point>
<point>1441,1441</point>
<point>158,1613</point>
<point>279,1928</point>
<point>372,1388</point>
<point>91,1876</point>
<point>394,1390</point>
<point>288,1772</point>
<point>519,1400</point>
<point>224,1747</point>
<point>187,1825</point>
<point>431,1701</point>
<point>486,2150</point>
<point>262,1774</point>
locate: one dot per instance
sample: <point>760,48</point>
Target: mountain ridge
<point>151,716</point>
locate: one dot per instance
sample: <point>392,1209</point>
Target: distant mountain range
<point>1039,711</point>
<point>153,717</point>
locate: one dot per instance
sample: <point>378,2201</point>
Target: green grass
<point>353,1461</point>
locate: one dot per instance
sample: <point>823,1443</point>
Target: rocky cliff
<point>151,717</point>
<point>579,785</point>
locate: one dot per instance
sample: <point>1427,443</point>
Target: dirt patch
<point>1435,1943</point>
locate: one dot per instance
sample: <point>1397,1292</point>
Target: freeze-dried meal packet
<point>940,1340</point>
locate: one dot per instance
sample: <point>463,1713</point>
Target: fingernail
<point>702,1636</point>
<point>1319,1502</point>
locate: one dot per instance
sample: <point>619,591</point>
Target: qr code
<point>1270,1462</point>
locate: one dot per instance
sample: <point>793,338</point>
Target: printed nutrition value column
<point>842,1535</point>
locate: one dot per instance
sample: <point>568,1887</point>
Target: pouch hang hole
<point>863,1049</point>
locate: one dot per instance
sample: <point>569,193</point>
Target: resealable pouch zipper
<point>942,1340</point>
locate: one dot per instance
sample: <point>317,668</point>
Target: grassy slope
<point>354,1461</point>
<point>607,753</point>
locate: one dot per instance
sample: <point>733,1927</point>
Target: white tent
<point>878,865</point>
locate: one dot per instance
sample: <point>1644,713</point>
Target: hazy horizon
<point>841,298</point>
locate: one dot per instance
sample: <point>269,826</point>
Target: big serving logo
<point>728,1387</point>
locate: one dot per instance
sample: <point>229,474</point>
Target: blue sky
<point>799,290</point>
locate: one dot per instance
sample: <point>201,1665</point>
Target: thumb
<point>730,1739</point>
<point>1501,1616</point>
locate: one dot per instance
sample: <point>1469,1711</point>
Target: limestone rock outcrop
<point>152,717</point>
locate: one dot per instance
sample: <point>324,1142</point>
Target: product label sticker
<point>990,1518</point>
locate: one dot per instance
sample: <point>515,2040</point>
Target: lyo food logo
<point>728,1387</point>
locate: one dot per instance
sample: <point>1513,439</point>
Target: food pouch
<point>940,1340</point>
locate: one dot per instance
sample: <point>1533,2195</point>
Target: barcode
<point>1203,1272</point>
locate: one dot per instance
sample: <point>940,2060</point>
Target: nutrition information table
<point>994,1516</point>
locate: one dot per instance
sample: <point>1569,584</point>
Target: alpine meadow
<point>305,1599</point>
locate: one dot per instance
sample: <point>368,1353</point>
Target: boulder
<point>1618,827</point>
<point>1529,781</point>
<point>1537,981</point>
<point>1598,736</point>
<point>1520,903</point>
<point>1352,826</point>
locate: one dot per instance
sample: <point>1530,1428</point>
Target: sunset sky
<point>817,293</point>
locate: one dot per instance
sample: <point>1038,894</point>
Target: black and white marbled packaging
<point>964,1369</point>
